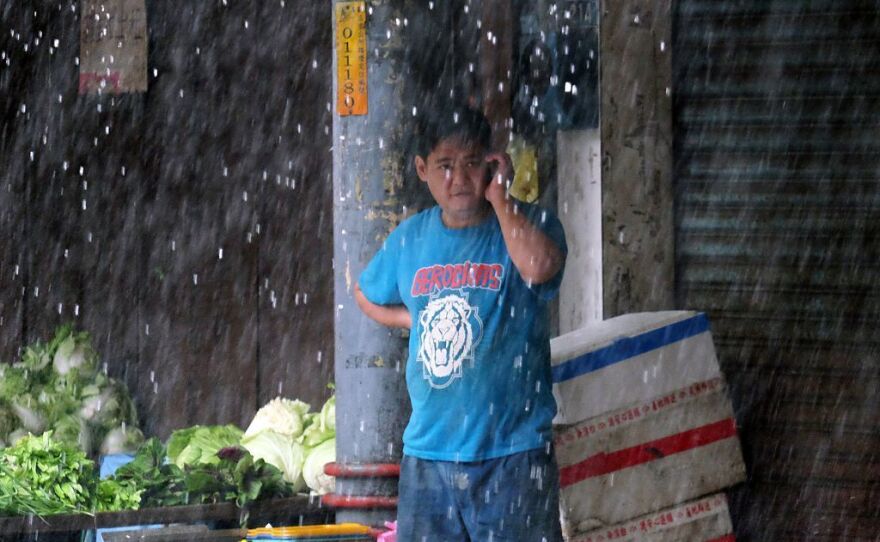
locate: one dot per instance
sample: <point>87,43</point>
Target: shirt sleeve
<point>378,281</point>
<point>550,226</point>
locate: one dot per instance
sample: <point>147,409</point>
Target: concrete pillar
<point>636,130</point>
<point>371,400</point>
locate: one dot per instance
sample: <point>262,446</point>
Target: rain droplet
<point>195,279</point>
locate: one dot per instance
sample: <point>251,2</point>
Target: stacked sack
<point>645,436</point>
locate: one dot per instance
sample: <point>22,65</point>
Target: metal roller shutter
<point>777,146</point>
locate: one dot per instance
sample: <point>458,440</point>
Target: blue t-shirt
<point>478,372</point>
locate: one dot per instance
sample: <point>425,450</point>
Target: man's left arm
<point>537,257</point>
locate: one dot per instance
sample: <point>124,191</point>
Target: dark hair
<point>470,125</point>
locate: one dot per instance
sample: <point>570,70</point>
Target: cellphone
<point>490,171</point>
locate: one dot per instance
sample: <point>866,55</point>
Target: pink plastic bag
<point>391,534</point>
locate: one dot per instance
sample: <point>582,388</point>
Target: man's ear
<point>421,168</point>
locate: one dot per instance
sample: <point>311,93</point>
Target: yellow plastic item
<point>525,167</point>
<point>311,530</point>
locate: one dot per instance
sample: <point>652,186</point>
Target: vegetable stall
<point>73,457</point>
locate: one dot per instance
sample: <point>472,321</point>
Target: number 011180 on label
<point>351,58</point>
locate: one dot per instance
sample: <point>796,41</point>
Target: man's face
<point>456,173</point>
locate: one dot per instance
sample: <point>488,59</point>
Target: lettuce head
<point>283,416</point>
<point>279,450</point>
<point>313,468</point>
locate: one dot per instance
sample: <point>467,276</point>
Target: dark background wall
<point>118,221</point>
<point>778,206</point>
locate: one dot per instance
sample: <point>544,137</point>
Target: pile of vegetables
<point>285,452</point>
<point>59,387</point>
<point>229,474</point>
<point>58,410</point>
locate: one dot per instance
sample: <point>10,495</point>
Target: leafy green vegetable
<point>235,476</point>
<point>321,426</point>
<point>72,352</point>
<point>13,382</point>
<point>41,476</point>
<point>199,444</point>
<point>113,496</point>
<point>160,483</point>
<point>73,429</point>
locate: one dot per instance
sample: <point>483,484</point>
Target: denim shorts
<point>511,498</point>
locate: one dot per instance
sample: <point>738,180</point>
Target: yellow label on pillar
<point>351,58</point>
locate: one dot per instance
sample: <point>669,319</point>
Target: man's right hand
<point>387,315</point>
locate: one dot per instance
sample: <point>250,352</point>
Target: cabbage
<point>279,450</point>
<point>280,415</point>
<point>57,385</point>
<point>313,468</point>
